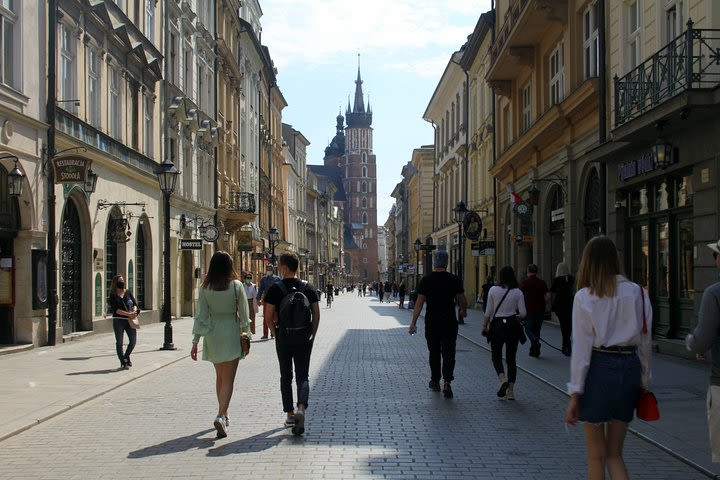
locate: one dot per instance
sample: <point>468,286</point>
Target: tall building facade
<point>358,170</point>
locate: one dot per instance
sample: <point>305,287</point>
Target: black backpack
<point>294,315</point>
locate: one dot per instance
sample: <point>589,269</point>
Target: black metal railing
<point>242,202</point>
<point>690,61</point>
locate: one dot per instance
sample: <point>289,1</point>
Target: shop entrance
<point>9,225</point>
<point>71,271</point>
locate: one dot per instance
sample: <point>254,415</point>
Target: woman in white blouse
<point>610,361</point>
<point>502,327</point>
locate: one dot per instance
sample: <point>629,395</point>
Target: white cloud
<point>428,67</point>
<point>317,32</point>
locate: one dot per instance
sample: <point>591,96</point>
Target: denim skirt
<point>612,387</point>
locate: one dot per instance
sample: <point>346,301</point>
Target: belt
<point>621,350</point>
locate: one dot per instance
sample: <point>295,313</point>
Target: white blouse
<point>514,303</point>
<point>609,322</point>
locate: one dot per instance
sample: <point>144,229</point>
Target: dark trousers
<point>533,324</point>
<point>441,340</point>
<point>300,356</point>
<point>511,345</point>
<point>402,301</point>
<point>121,326</point>
<point>565,319</point>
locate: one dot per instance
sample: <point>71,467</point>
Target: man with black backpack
<point>292,312</point>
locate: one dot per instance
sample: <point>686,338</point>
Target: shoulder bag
<point>647,406</point>
<point>244,339</point>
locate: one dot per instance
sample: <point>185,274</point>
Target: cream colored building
<point>23,220</point>
<point>420,195</point>
<point>295,173</point>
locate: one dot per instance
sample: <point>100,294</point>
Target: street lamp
<point>459,212</point>
<point>15,178</point>
<point>273,234</point>
<point>90,182</point>
<point>167,178</point>
<point>418,247</point>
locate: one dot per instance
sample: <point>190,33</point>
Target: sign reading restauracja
<point>71,169</point>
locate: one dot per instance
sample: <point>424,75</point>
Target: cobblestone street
<point>370,416</point>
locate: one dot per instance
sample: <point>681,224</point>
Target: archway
<point>9,226</point>
<point>71,269</point>
<point>591,210</point>
<point>556,231</point>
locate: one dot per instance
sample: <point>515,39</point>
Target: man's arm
<point>462,304</point>
<point>706,331</point>
<point>416,311</point>
<point>269,317</point>
<point>315,307</point>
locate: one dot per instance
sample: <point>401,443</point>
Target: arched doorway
<point>591,213</point>
<point>143,265</point>
<point>116,236</point>
<point>9,226</point>
<point>556,213</point>
<point>71,269</point>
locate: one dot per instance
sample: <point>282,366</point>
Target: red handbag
<point>646,407</point>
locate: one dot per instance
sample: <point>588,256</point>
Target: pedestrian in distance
<point>125,311</point>
<point>561,301</point>
<point>265,283</point>
<point>535,291</point>
<point>251,292</point>
<point>485,289</point>
<point>388,291</point>
<point>706,336</point>
<point>441,290</point>
<point>402,289</point>
<point>610,360</point>
<point>503,328</point>
<point>292,312</point>
<point>222,320</point>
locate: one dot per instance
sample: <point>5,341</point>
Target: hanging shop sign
<point>191,244</point>
<point>523,209</point>
<point>244,241</point>
<point>71,169</point>
<point>211,233</point>
<point>482,249</point>
<point>472,226</point>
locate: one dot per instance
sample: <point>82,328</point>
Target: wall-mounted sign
<point>191,244</point>
<point>472,225</point>
<point>211,233</point>
<point>244,241</point>
<point>642,165</point>
<point>71,169</point>
<point>482,249</point>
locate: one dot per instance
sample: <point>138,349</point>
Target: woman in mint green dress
<point>222,318</point>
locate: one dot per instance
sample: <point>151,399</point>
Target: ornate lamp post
<point>459,212</point>
<point>273,234</point>
<point>167,177</point>
<point>15,178</point>
<point>418,246</point>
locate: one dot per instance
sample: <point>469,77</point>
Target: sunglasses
<point>248,278</point>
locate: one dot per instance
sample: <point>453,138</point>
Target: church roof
<point>334,175</point>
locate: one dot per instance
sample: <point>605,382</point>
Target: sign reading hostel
<point>191,244</point>
<point>71,169</point>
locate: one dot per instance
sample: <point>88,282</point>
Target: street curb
<point>641,436</point>
<point>85,400</point>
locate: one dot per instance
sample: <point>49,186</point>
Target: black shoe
<point>447,391</point>
<point>128,362</point>
<point>503,389</point>
<point>299,427</point>
<point>434,386</point>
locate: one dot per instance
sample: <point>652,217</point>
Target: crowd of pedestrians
<point>604,319</point>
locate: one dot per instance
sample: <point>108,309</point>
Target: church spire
<point>359,102</point>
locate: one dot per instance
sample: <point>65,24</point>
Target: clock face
<point>211,233</point>
<point>522,209</point>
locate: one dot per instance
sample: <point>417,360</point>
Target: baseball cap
<point>441,259</point>
<point>715,247</point>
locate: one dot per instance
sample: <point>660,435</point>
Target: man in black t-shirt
<point>441,290</point>
<point>291,353</point>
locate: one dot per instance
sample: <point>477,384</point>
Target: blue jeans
<point>300,356</point>
<point>533,324</point>
<point>121,326</point>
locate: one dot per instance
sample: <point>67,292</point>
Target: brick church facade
<point>350,156</point>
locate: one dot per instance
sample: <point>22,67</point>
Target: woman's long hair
<point>599,266</point>
<point>220,272</point>
<point>507,278</point>
<point>113,285</point>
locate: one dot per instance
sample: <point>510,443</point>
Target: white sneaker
<point>511,392</point>
<point>220,426</point>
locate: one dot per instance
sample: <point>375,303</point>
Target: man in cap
<point>442,291</point>
<point>706,336</point>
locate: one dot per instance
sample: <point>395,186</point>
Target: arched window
<point>364,218</point>
<point>364,157</point>
<point>364,187</point>
<point>364,202</point>
<point>557,226</point>
<point>364,172</point>
<point>111,254</point>
<point>591,217</point>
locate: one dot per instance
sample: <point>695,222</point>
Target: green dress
<point>217,323</point>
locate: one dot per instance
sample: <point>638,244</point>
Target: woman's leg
<point>614,440</point>
<point>596,450</point>
<point>496,345</point>
<point>225,382</point>
<point>132,339</point>
<point>511,346</point>
<point>118,329</point>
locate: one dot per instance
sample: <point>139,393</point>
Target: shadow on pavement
<point>96,372</point>
<point>256,443</point>
<point>176,445</point>
<point>113,354</point>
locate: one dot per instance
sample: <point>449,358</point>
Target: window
<point>67,68</point>
<point>364,157</point>
<point>114,103</point>
<point>364,202</point>
<point>134,116</point>
<point>173,58</point>
<point>150,20</point>
<point>201,88</point>
<point>526,106</point>
<point>506,136</point>
<point>674,19</point>
<point>149,134</point>
<point>557,75</point>
<point>364,171</point>
<point>454,118</point>
<point>633,35</point>
<point>187,73</point>
<point>9,54</point>
<point>93,86</point>
<point>364,187</point>
<point>364,218</point>
<point>590,41</point>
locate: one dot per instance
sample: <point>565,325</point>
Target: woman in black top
<point>124,310</point>
<point>562,295</point>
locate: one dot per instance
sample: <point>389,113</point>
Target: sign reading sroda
<point>71,169</point>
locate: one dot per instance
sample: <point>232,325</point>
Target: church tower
<point>360,182</point>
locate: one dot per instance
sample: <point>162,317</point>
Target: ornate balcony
<point>689,62</point>
<point>238,211</point>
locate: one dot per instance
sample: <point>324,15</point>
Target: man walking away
<point>292,312</point>
<point>265,283</point>
<point>535,291</point>
<point>401,291</point>
<point>388,291</point>
<point>441,290</point>
<point>706,336</point>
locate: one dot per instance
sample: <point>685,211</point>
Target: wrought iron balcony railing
<point>242,202</point>
<point>689,62</point>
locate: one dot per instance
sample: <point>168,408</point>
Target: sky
<point>404,46</point>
